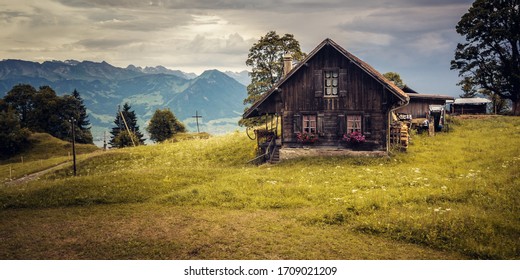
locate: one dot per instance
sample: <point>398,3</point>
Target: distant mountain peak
<point>210,72</point>
<point>161,70</point>
<point>242,76</point>
<point>71,62</point>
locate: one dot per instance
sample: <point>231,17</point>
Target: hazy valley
<point>216,96</point>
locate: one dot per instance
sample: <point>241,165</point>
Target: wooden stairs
<point>275,156</point>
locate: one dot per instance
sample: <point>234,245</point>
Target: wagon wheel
<point>248,132</point>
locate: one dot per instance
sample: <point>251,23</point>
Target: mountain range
<point>216,96</point>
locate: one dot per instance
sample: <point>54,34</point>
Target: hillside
<point>103,87</point>
<point>452,196</point>
<point>43,151</point>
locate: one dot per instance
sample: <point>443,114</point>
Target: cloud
<point>103,43</point>
<point>231,44</point>
<point>200,34</point>
<point>430,43</point>
<point>401,21</point>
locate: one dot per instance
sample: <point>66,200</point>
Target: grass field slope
<point>452,196</point>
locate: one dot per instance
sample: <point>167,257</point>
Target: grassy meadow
<point>452,196</point>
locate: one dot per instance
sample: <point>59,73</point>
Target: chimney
<point>287,64</point>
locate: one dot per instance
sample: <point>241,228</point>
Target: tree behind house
<point>266,59</point>
<point>395,78</point>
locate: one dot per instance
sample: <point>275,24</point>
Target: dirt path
<point>36,175</point>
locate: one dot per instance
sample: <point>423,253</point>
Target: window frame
<point>333,86</point>
<point>308,120</point>
<point>356,120</point>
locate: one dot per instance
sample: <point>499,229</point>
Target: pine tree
<point>79,112</point>
<point>131,121</point>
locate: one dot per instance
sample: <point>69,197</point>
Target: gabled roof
<point>408,89</point>
<point>361,64</point>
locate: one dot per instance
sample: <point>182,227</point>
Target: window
<point>353,123</point>
<point>309,123</point>
<point>331,80</point>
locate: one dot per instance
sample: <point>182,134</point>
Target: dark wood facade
<point>419,105</point>
<point>331,93</point>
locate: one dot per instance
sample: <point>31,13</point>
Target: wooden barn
<point>475,105</point>
<point>419,105</point>
<point>331,101</point>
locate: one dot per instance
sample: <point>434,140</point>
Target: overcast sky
<point>415,38</point>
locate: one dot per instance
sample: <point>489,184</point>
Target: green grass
<point>455,195</point>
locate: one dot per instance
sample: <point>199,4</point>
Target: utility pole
<point>104,140</point>
<point>72,121</point>
<point>127,129</point>
<point>197,120</point>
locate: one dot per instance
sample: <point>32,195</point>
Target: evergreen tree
<point>164,125</point>
<point>125,139</point>
<point>74,107</point>
<point>131,121</point>
<point>468,87</point>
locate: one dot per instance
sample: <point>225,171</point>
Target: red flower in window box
<point>307,137</point>
<point>354,138</point>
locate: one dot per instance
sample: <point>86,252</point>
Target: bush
<point>164,125</point>
<point>125,139</point>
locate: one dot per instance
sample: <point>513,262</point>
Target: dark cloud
<point>401,21</point>
<point>7,16</point>
<point>293,6</point>
<point>171,4</point>
<point>431,3</point>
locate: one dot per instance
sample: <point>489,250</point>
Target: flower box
<point>354,140</point>
<point>307,138</point>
